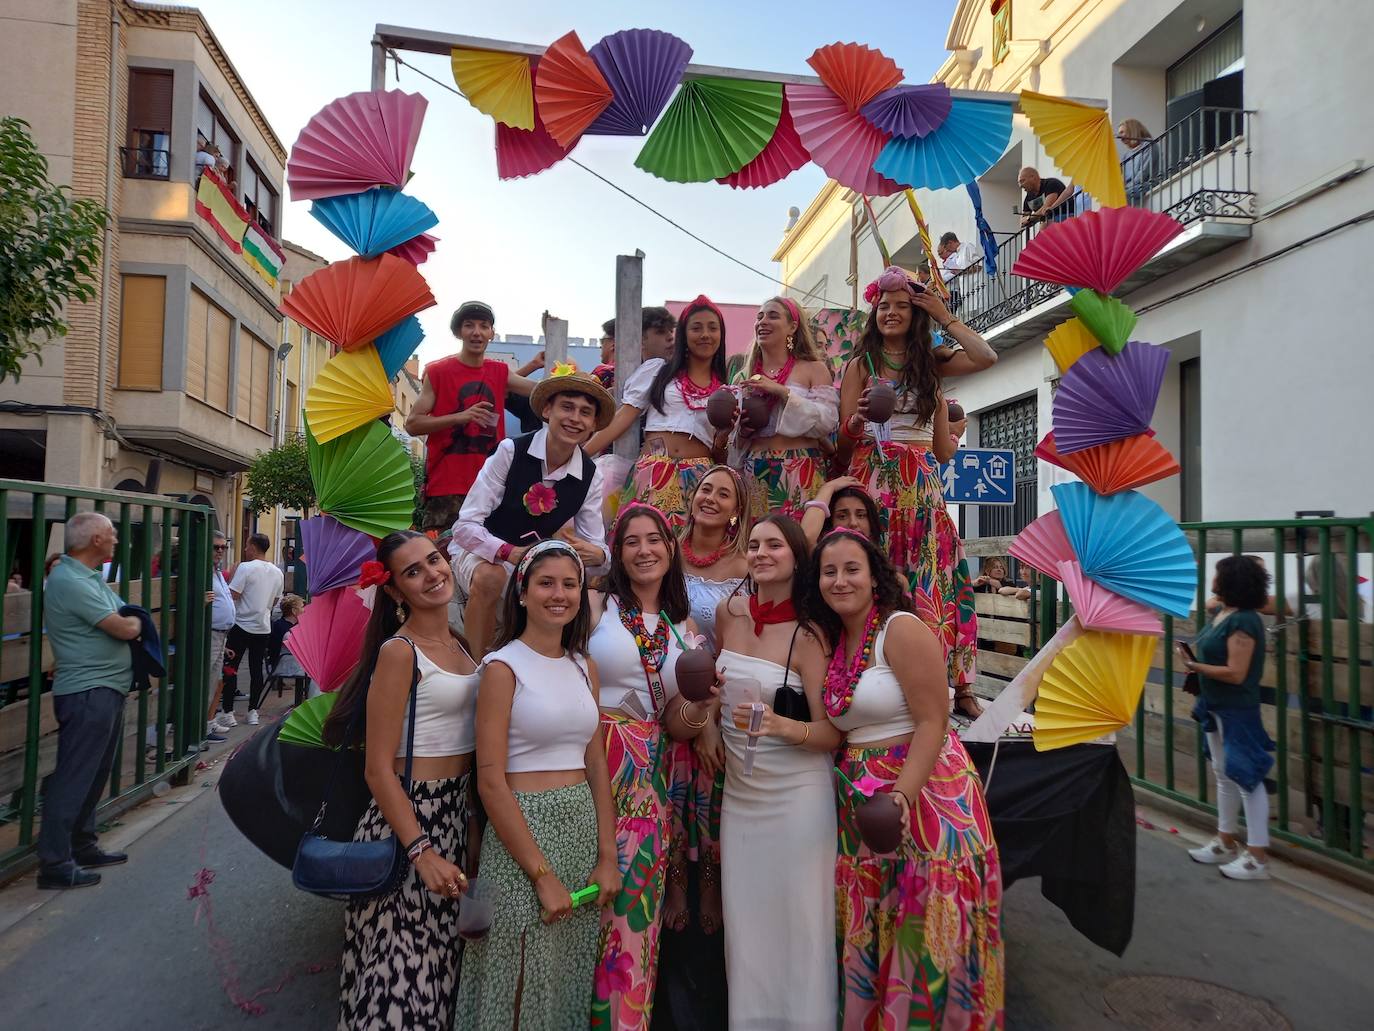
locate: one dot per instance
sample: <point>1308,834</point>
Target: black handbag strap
<point>787,669</point>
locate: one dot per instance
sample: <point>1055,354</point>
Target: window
<point>148,141</point>
<point>1223,53</point>
<point>208,333</point>
<point>1001,30</point>
<point>1190,429</point>
<point>144,301</point>
<point>254,380</point>
<point>212,128</point>
<point>1011,426</point>
<point>259,197</point>
<point>293,416</point>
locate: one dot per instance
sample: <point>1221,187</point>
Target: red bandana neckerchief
<point>770,612</point>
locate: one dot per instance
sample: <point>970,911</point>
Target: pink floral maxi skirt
<point>666,483</point>
<point>783,480</point>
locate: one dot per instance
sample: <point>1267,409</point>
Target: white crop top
<point>878,710</point>
<point>904,427</point>
<point>552,715</point>
<point>617,660</point>
<point>676,417</point>
<point>445,709</point>
<point>807,412</point>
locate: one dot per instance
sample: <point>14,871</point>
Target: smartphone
<point>1187,650</point>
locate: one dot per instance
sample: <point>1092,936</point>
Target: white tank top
<point>617,660</point>
<point>879,710</point>
<point>445,708</point>
<point>552,715</point>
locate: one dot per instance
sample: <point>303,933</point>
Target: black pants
<point>89,725</point>
<point>250,648</point>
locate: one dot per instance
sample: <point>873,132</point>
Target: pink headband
<point>635,508</point>
<point>791,307</point>
<point>845,529</point>
<point>703,301</point>
<point>892,278</point>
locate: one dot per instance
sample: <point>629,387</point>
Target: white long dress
<point>777,848</point>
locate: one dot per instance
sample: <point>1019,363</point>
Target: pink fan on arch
<point>356,142</point>
<point>1097,249</point>
<point>783,155</point>
<point>1043,545</point>
<point>839,140</point>
<point>1100,609</point>
<point>520,153</point>
<point>416,250</point>
<point>329,636</point>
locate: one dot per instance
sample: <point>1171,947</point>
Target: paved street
<point>131,954</point>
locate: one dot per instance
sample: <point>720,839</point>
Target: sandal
<point>966,704</point>
<point>710,888</point>
<point>675,900</point>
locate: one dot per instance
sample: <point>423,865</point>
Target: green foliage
<point>49,249</point>
<point>282,477</point>
<point>417,469</point>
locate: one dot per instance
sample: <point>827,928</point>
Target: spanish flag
<point>217,205</point>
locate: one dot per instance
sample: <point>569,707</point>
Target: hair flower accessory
<point>891,278</point>
<point>540,499</point>
<point>562,369</point>
<point>372,573</point>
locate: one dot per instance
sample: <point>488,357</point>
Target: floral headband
<point>543,548</point>
<point>891,278</point>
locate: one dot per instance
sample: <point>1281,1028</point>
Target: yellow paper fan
<point>1092,688</point>
<point>1068,342</point>
<point>350,391</point>
<point>497,84</point>
<point>1079,139</point>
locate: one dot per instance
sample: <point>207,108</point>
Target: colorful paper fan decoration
<point>375,220</point>
<point>416,251</point>
<point>304,725</point>
<point>1079,140</point>
<point>1100,609</point>
<point>397,344</point>
<point>356,142</point>
<point>520,153</point>
<point>854,73</point>
<point>1106,397</point>
<point>569,89</point>
<point>333,553</point>
<point>351,302</point>
<point>1043,545</point>
<point>1111,468</point>
<point>1127,544</point>
<point>1096,249</point>
<point>1068,342</point>
<point>783,155</point>
<point>909,110</point>
<point>329,636</point>
<point>1106,318</point>
<point>363,479</point>
<point>1091,689</point>
<point>838,140</point>
<point>967,144</point>
<point>642,66</point>
<point>352,389</point>
<point>713,127</point>
<point>496,84</point>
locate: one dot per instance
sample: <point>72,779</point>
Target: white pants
<point>1230,797</point>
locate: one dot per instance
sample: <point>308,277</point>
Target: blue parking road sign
<point>980,476</point>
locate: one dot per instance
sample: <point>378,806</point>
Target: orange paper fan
<point>352,302</point>
<point>569,89</point>
<point>854,72</point>
<point>1119,465</point>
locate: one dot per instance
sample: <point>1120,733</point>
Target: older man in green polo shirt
<point>90,643</point>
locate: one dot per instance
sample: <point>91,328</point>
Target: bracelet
<point>852,434</point>
<point>418,848</point>
<point>503,552</point>
<point>682,714</point>
<point>542,870</point>
<point>905,797</point>
<point>806,734</point>
<point>944,327</point>
<point>821,505</point>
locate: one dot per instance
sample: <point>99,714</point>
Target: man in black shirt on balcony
<point>1042,194</point>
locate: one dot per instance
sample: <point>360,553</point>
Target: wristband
<point>418,848</point>
<point>813,503</point>
<point>503,552</point>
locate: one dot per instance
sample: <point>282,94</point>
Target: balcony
<point>146,162</point>
<point>1198,172</point>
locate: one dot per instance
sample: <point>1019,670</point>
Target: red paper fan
<point>855,73</point>
<point>329,636</point>
<point>1098,249</point>
<point>1120,465</point>
<point>839,140</point>
<point>356,142</point>
<point>783,155</point>
<point>520,153</point>
<point>569,89</point>
<point>416,250</point>
<point>352,302</point>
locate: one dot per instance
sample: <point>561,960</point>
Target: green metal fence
<point>162,562</point>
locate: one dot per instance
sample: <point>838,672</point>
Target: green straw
<point>871,370</point>
<point>849,782</point>
<point>680,642</point>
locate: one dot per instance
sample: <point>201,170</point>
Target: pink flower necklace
<point>841,676</point>
<point>694,396</point>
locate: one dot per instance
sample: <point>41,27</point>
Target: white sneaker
<point>219,724</point>
<point>252,717</point>
<point>1246,868</point>
<point>1213,853</point>
<point>227,721</point>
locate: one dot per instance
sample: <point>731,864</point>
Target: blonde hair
<point>291,604</point>
<point>1135,129</point>
<point>740,544</point>
<point>804,347</point>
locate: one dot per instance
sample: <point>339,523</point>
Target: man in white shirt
<point>255,588</point>
<point>222,612</point>
<point>531,489</point>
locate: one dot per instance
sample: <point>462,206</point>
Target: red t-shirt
<point>454,456</point>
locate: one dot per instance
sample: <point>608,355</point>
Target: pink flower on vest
<point>540,499</point>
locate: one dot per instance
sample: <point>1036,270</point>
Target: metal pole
<point>555,342</point>
<point>629,339</point>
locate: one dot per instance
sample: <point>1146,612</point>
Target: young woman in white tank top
<point>936,902</point>
<point>543,782</point>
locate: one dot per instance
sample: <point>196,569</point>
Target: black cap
<point>470,310</point>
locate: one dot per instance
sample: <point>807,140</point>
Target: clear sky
<point>550,241</point>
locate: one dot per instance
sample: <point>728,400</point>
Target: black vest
<point>511,520</point>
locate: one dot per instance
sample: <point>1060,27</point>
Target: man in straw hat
<point>532,488</point>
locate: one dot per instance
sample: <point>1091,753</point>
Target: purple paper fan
<point>333,553</point>
<point>1105,397</point>
<point>908,111</point>
<point>643,67</point>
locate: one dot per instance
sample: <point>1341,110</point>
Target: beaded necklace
<point>782,373</point>
<point>653,649</point>
<point>709,559</point>
<point>693,396</point>
<point>841,676</point>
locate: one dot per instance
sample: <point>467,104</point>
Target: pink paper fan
<point>357,142</point>
<point>1043,545</point>
<point>416,250</point>
<point>1097,249</point>
<point>520,153</point>
<point>642,67</point>
<point>329,636</point>
<point>840,141</point>
<point>908,111</point>
<point>1100,609</point>
<point>782,156</point>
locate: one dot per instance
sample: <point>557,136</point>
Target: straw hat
<point>564,378</point>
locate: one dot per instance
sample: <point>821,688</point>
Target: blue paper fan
<point>966,145</point>
<point>397,344</point>
<point>1127,544</point>
<point>375,220</point>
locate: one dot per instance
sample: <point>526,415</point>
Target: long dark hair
<point>672,594</point>
<point>381,627</point>
<point>515,619</point>
<point>795,537</point>
<point>870,506</point>
<point>920,376</point>
<point>678,361</point>
<point>891,596</point>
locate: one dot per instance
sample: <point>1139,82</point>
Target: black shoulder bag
<point>348,870</point>
<point>786,702</point>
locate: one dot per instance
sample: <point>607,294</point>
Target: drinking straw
<point>680,642</point>
<point>849,782</point>
<point>872,372</point>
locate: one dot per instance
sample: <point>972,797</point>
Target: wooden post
<point>629,326</point>
<point>555,342</point>
<point>378,64</point>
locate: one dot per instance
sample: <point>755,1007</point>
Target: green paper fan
<point>713,128</point>
<point>1107,319</point>
<point>363,479</point>
<point>304,725</point>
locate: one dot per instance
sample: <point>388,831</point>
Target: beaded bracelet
<point>418,848</point>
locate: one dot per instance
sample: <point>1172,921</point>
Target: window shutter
<point>140,332</point>
<point>196,349</point>
<point>262,386</point>
<point>217,359</point>
<point>150,100</point>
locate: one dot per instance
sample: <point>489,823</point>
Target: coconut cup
<point>696,673</point>
<point>721,407</point>
<point>880,823</point>
<point>756,410</point>
<point>882,401</point>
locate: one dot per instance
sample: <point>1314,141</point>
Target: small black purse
<point>348,870</point>
<point>786,702</point>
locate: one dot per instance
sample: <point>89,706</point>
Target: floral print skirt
<point>666,483</point>
<point>783,480</point>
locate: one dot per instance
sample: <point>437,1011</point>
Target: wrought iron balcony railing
<point>146,162</point>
